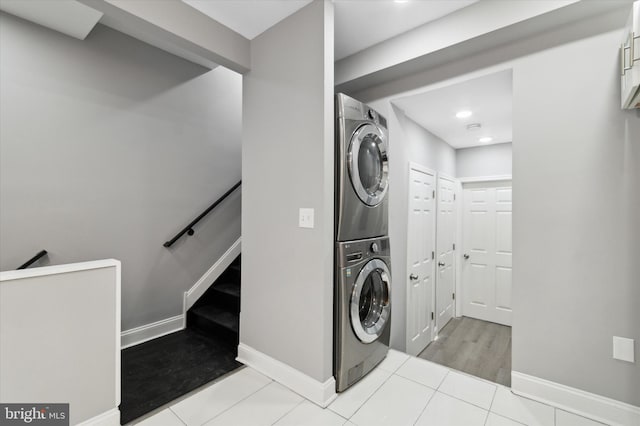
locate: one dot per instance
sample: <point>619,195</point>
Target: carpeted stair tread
<point>219,316</point>
<point>230,288</point>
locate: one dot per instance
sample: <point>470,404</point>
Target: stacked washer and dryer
<point>362,262</point>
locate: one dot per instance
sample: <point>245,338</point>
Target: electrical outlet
<point>623,349</point>
<point>306,218</point>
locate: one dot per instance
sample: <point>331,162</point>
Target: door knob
<point>466,256</point>
<point>440,263</point>
<point>413,277</point>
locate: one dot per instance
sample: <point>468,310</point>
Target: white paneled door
<point>445,257</point>
<point>420,258</point>
<point>486,270</point>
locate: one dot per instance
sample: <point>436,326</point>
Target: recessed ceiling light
<point>401,1</point>
<point>485,139</point>
<point>464,114</point>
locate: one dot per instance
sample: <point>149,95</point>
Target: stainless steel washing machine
<point>362,308</point>
<point>362,170</point>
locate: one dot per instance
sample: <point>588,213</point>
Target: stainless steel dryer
<point>362,308</point>
<point>362,170</point>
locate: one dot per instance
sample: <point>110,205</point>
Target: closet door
<point>446,237</point>
<point>420,258</point>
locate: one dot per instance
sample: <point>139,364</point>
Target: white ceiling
<point>359,24</point>
<point>488,97</point>
<point>249,18</point>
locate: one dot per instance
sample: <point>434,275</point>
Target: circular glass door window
<point>370,308</point>
<point>368,164</point>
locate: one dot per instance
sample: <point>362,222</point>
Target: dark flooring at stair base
<point>159,371</point>
<point>476,347</point>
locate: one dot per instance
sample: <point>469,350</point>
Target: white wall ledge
<point>58,269</point>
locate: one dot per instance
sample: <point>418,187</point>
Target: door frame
<point>421,168</point>
<point>457,309</point>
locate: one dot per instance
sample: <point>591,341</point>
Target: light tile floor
<point>402,390</point>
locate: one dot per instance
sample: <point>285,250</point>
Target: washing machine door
<point>369,308</point>
<point>369,164</point>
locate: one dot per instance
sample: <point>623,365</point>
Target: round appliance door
<point>369,164</point>
<point>369,308</point>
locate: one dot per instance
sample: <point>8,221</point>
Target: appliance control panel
<point>355,251</point>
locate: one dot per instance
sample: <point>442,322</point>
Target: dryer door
<point>369,164</point>
<point>369,308</point>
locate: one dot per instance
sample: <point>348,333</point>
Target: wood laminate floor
<point>473,346</point>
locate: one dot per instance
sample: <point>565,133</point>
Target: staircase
<point>217,312</point>
<point>157,372</point>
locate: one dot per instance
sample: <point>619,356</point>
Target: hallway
<point>476,347</point>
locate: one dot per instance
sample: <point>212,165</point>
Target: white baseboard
<point>108,418</point>
<point>147,332</point>
<point>198,289</point>
<point>576,401</point>
<point>317,392</point>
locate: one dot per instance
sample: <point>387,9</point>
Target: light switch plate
<point>623,349</point>
<point>306,218</point>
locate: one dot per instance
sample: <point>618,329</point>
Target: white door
<point>486,286</point>
<point>446,237</point>
<point>420,258</point>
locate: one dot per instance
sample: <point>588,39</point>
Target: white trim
<point>118,334</point>
<point>459,249</point>
<point>57,269</point>
<point>454,314</point>
<point>317,392</point>
<point>447,177</point>
<point>108,418</point>
<point>144,333</point>
<point>203,284</point>
<point>574,400</point>
<point>496,178</point>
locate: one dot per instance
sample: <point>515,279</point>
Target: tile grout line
<point>462,400</point>
<point>493,398</point>
<point>522,397</point>
<point>291,410</point>
<point>486,418</point>
<point>425,406</point>
<point>433,394</point>
<point>178,417</point>
<point>416,382</point>
<point>443,379</point>
<point>372,393</point>
<point>495,392</point>
<point>238,402</point>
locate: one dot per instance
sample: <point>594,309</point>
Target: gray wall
<point>408,142</point>
<point>576,202</point>
<point>576,229</point>
<point>287,271</point>
<point>108,147</point>
<point>489,160</point>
